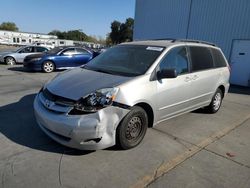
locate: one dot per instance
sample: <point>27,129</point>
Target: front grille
<point>58,99</point>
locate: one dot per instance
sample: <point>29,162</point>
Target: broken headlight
<point>94,101</point>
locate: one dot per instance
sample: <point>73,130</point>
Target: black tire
<point>10,61</point>
<point>132,128</point>
<point>216,102</point>
<point>48,66</point>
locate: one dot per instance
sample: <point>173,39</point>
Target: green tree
<point>8,26</point>
<point>129,29</point>
<point>57,33</point>
<point>121,32</point>
<point>115,32</point>
<point>76,35</point>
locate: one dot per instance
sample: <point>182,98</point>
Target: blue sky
<point>92,16</point>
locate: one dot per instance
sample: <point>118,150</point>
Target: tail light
<point>229,68</point>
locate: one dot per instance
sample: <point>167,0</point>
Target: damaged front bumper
<point>86,132</point>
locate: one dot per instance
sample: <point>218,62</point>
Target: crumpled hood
<point>79,82</point>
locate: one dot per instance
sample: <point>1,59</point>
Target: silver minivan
<point>119,94</point>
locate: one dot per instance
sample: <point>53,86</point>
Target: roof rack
<point>185,40</point>
<point>172,39</point>
<point>195,41</point>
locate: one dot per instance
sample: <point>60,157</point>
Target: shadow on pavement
<point>239,90</point>
<point>200,111</point>
<point>19,125</point>
<point>23,69</point>
<point>19,69</point>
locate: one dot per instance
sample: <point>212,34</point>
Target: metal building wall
<point>161,19</point>
<point>218,21</point>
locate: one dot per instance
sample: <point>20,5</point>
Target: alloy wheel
<point>48,67</point>
<point>217,101</point>
<point>10,61</point>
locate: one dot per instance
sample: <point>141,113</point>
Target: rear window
<point>201,58</point>
<point>219,60</point>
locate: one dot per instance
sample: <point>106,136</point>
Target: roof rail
<point>185,40</point>
<point>195,41</point>
<point>172,39</point>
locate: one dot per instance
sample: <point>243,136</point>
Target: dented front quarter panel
<point>101,124</point>
<point>139,90</point>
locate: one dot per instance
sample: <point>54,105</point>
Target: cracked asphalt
<point>192,150</point>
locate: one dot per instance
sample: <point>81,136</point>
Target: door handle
<point>187,79</point>
<point>195,77</point>
<point>190,78</point>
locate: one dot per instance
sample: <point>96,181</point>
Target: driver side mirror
<point>167,73</point>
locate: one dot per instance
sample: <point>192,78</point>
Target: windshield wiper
<point>109,71</point>
<point>97,70</point>
<point>103,71</point>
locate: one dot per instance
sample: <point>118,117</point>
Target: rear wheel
<point>48,66</point>
<point>132,128</point>
<point>216,102</point>
<point>10,61</point>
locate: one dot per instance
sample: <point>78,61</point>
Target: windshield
<point>125,60</point>
<point>18,50</point>
<point>54,50</point>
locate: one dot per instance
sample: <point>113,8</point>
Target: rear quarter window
<point>201,58</point>
<point>41,49</point>
<point>218,58</point>
<point>81,51</point>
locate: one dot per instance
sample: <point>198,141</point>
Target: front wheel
<point>132,128</point>
<point>216,102</point>
<point>10,61</point>
<point>48,66</point>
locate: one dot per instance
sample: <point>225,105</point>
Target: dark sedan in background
<point>59,58</point>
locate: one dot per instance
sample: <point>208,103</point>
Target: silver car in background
<point>119,94</point>
<point>17,56</point>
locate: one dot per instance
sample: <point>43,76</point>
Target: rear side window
<point>219,60</point>
<point>81,51</point>
<point>69,51</point>
<point>27,50</point>
<point>201,58</point>
<point>41,49</point>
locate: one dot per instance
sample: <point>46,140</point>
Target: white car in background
<point>48,45</point>
<point>17,56</point>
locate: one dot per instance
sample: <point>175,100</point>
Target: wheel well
<point>149,112</point>
<point>7,57</point>
<point>222,88</point>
